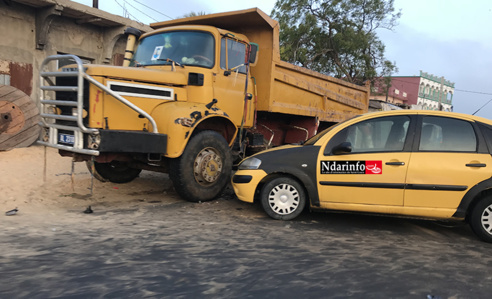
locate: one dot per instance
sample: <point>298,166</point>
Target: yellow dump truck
<point>193,95</point>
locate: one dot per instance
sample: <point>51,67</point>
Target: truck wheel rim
<point>283,199</point>
<point>208,166</point>
<point>486,219</point>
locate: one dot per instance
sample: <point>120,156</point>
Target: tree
<point>336,37</point>
<point>194,14</point>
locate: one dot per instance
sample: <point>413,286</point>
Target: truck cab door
<point>229,82</point>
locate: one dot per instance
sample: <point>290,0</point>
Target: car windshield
<point>316,137</point>
<point>193,48</point>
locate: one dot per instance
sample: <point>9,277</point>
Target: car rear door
<point>450,157</point>
<point>374,172</point>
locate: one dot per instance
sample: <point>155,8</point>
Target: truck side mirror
<point>253,52</point>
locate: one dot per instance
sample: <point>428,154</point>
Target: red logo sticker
<point>374,167</point>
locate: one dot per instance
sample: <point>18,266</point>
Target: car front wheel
<point>283,198</point>
<point>481,219</point>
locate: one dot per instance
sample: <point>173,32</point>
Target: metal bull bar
<point>48,117</point>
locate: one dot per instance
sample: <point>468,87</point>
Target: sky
<point>450,38</point>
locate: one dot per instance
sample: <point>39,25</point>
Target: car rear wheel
<point>481,219</point>
<point>283,198</point>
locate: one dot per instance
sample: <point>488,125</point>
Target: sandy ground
<point>38,182</point>
<point>143,241</point>
<point>48,194</point>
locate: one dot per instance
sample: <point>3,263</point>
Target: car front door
<point>374,171</point>
<point>449,159</point>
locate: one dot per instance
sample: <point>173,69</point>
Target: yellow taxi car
<point>415,163</point>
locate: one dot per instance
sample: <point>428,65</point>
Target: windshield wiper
<point>171,61</point>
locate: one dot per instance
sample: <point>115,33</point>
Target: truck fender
<point>179,120</point>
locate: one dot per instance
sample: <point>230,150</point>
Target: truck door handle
<point>476,165</point>
<point>395,163</point>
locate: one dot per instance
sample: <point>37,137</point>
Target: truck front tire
<point>204,169</point>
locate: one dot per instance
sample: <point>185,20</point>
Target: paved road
<point>160,247</point>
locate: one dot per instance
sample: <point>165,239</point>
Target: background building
<point>423,92</point>
<point>35,29</point>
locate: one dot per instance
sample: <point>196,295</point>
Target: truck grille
<point>64,98</point>
<point>70,96</point>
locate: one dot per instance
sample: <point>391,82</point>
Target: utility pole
<point>440,94</point>
<point>95,3</point>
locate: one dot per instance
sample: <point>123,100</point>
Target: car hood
<point>283,147</point>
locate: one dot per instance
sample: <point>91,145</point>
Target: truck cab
<point>182,81</point>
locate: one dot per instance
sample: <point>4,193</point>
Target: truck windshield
<point>192,48</point>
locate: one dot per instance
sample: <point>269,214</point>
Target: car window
<point>447,135</point>
<point>385,134</point>
<point>318,136</point>
<point>487,132</point>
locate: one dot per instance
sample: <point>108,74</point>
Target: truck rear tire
<point>115,172</point>
<point>204,169</point>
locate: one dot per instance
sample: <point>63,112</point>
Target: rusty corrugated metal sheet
<point>21,76</point>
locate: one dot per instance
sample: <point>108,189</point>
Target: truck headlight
<point>75,112</point>
<point>250,163</point>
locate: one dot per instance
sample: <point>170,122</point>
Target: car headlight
<point>250,163</point>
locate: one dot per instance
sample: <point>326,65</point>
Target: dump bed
<point>296,90</point>
<point>282,87</point>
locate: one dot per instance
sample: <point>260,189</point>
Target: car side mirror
<point>342,148</point>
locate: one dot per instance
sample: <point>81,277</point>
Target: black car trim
<point>363,185</point>
<point>436,187</point>
<point>395,186</point>
<point>299,162</point>
<point>242,179</point>
<point>467,200</point>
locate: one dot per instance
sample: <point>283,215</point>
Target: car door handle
<point>476,165</point>
<point>395,163</point>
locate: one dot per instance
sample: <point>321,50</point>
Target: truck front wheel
<point>115,171</point>
<point>204,168</point>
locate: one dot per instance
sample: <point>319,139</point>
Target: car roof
<point>426,112</point>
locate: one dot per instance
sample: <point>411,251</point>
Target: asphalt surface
<point>160,246</point>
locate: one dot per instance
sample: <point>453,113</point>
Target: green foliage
<point>194,14</point>
<point>336,37</point>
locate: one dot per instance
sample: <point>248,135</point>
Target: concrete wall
<point>17,55</point>
<point>33,30</point>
